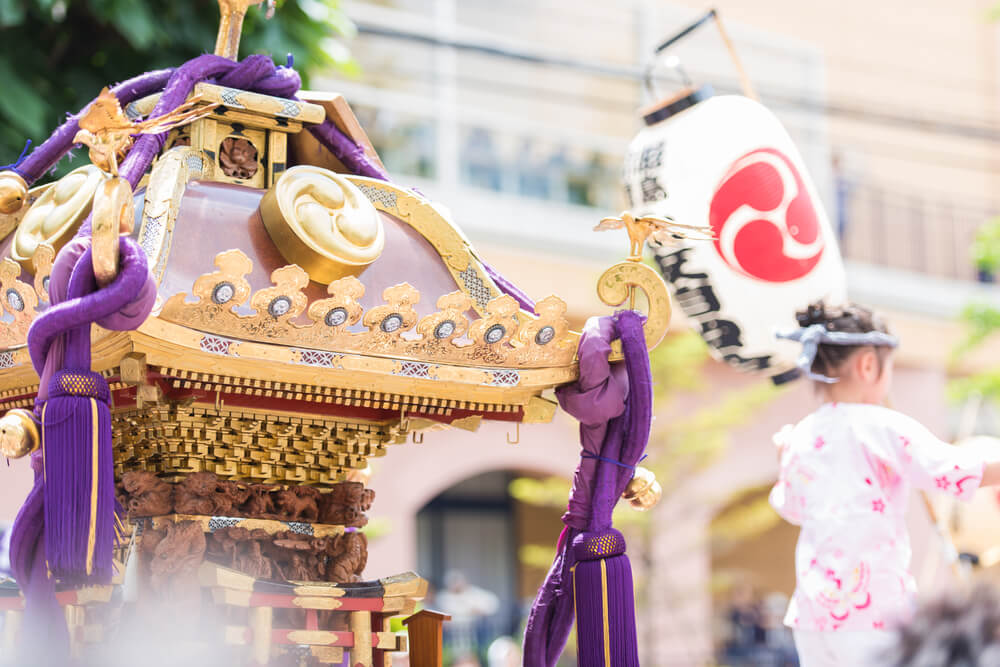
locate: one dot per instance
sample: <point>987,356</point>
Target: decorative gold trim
<point>499,338</point>
<point>270,526</point>
<point>242,100</point>
<point>42,262</point>
<point>172,346</point>
<point>254,369</point>
<point>453,247</point>
<point>167,183</point>
<point>19,300</point>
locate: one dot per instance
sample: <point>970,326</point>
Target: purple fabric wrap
<point>510,288</point>
<point>47,155</point>
<point>614,407</point>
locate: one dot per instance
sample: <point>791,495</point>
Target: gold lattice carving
<point>504,336</point>
<point>177,439</point>
<point>19,301</point>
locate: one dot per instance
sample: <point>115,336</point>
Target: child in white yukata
<point>846,473</point>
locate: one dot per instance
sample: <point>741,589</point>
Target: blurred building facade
<point>516,115</point>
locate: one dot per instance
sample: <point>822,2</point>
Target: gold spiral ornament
<point>55,216</point>
<point>618,284</point>
<point>322,222</point>
<point>18,434</point>
<point>643,491</point>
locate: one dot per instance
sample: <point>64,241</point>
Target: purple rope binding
<point>614,406</point>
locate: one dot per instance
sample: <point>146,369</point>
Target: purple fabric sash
<point>614,407</point>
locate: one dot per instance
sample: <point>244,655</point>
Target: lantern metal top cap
<point>684,99</point>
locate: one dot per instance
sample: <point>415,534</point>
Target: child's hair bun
<point>850,317</point>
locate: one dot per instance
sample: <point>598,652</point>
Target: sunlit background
<point>516,116</point>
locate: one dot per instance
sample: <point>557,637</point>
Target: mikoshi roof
<point>286,284</point>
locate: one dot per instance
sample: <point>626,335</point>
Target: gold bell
<point>18,434</point>
<point>643,491</point>
<point>13,192</point>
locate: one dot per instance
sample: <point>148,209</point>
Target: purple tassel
<point>79,478</point>
<point>604,600</point>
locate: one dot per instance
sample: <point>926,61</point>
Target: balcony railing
<point>908,232</point>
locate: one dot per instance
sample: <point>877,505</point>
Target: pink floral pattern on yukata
<point>846,472</point>
<point>843,595</point>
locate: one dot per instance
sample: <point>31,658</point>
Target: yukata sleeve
<point>781,496</point>
<point>933,465</point>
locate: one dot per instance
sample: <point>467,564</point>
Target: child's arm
<point>933,465</point>
<point>988,449</point>
<point>778,496</point>
<point>991,474</point>
<point>781,440</point>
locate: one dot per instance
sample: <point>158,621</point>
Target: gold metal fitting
<point>114,215</point>
<point>643,491</point>
<point>13,192</point>
<point>18,434</point>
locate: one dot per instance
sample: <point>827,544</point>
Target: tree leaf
<point>20,105</point>
<point>12,13</point>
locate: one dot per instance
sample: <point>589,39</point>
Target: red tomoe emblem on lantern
<point>764,221</point>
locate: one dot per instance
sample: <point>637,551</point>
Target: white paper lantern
<point>727,162</point>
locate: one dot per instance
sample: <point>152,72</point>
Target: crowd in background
<point>753,632</point>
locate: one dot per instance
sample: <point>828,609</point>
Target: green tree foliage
<point>982,320</point>
<point>58,54</point>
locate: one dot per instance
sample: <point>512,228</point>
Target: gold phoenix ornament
<point>660,229</point>
<point>108,132</point>
<point>231,15</point>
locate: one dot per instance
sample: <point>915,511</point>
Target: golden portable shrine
<point>302,314</point>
